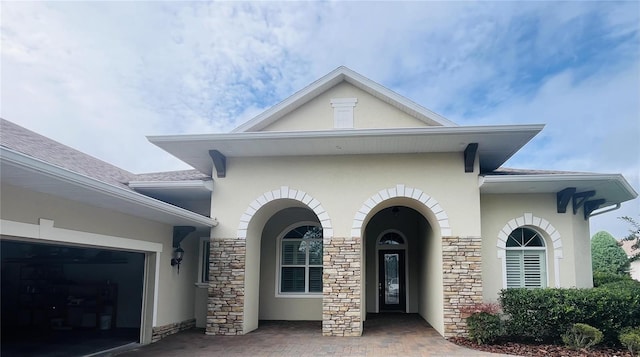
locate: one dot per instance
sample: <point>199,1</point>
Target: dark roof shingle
<point>22,140</point>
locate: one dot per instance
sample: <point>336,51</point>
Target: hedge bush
<point>484,327</point>
<point>544,314</point>
<point>601,278</point>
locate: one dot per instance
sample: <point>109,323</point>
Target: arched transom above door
<point>401,191</point>
<point>285,193</point>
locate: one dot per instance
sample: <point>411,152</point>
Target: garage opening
<point>60,300</point>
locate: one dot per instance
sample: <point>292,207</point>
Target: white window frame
<point>203,259</point>
<point>306,294</point>
<point>544,266</point>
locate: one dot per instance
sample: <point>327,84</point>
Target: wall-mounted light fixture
<point>179,233</point>
<point>177,257</point>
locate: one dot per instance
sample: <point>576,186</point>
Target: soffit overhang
<point>24,171</point>
<point>496,144</point>
<point>613,188</point>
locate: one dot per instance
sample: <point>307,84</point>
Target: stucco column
<point>341,299</point>
<point>225,305</point>
<point>462,280</point>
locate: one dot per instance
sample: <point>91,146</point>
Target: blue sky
<point>100,76</point>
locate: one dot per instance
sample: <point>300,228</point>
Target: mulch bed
<point>522,349</point>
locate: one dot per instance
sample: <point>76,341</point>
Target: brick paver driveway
<point>384,335</point>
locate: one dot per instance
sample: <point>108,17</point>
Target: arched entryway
<point>403,270</point>
<point>271,247</point>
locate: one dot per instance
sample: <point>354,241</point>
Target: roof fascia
<point>617,178</point>
<point>349,133</point>
<point>329,80</point>
<point>188,184</point>
<point>37,165</point>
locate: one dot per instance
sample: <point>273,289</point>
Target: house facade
<point>344,200</point>
<point>347,199</point>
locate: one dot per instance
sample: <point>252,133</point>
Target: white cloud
<point>99,76</point>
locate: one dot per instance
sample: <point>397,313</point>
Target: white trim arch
<point>284,192</point>
<point>529,220</point>
<point>401,191</point>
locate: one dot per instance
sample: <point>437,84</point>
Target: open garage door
<point>62,300</point>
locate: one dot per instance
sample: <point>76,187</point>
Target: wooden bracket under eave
<point>563,197</point>
<point>470,157</point>
<point>220,162</point>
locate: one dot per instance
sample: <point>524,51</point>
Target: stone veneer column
<point>462,280</point>
<point>225,305</point>
<point>341,300</point>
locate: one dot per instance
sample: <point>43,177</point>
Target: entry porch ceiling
<point>496,144</point>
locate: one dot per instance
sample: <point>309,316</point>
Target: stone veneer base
<point>461,279</point>
<point>161,332</point>
<point>225,305</point>
<point>341,300</point>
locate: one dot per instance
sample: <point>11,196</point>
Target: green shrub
<point>630,338</point>
<point>543,314</point>
<point>582,336</point>
<point>484,327</point>
<point>483,322</point>
<point>607,255</point>
<point>601,278</point>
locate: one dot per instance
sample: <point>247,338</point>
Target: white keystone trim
<point>528,219</point>
<point>401,190</point>
<point>284,192</point>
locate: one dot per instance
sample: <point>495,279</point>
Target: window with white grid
<point>300,261</point>
<point>526,259</point>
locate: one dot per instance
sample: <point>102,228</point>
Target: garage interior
<point>60,300</point>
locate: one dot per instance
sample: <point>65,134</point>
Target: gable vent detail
<point>343,112</point>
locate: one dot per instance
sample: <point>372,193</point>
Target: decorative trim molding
<point>528,219</point>
<point>401,191</point>
<point>343,112</point>
<point>286,193</point>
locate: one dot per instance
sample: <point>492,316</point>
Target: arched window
<point>300,265</point>
<point>391,238</point>
<point>526,259</point>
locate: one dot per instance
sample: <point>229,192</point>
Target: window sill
<point>202,285</point>
<point>300,296</point>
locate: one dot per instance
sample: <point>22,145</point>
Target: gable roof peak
<point>333,78</point>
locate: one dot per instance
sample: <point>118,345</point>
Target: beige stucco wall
<point>431,291</point>
<point>634,270</point>
<point>341,184</point>
<point>368,113</point>
<point>175,292</point>
<point>575,264</point>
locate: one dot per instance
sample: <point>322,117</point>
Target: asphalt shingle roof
<point>22,140</point>
<point>17,138</point>
<point>183,175</point>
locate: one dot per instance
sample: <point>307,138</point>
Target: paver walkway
<point>384,335</point>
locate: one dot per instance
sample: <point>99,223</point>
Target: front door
<point>391,280</point>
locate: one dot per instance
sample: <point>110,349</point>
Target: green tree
<point>634,236</point>
<point>607,256</point>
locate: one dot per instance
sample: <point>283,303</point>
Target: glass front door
<point>391,280</point>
